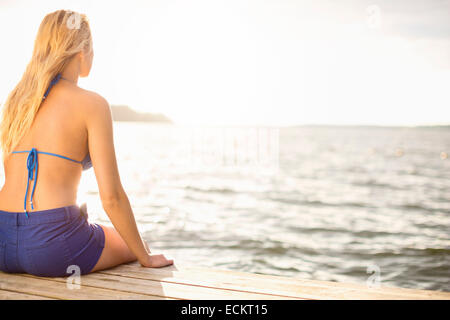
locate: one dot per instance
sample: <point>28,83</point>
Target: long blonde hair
<point>61,35</point>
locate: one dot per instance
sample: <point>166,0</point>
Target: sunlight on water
<point>340,200</point>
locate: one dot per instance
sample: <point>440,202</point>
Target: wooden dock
<point>131,281</point>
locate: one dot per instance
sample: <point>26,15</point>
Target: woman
<point>48,123</point>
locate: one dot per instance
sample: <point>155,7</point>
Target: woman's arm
<point>114,199</point>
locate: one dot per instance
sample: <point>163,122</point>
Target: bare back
<point>59,127</point>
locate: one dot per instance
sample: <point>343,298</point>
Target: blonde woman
<point>51,130</point>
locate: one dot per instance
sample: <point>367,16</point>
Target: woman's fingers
<point>157,261</point>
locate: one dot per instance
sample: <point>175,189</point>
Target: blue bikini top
<point>32,159</point>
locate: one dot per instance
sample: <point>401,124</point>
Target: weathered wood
<point>359,289</point>
<point>268,284</point>
<point>229,286</point>
<point>45,287</point>
<point>164,289</point>
<point>131,281</point>
<point>12,295</point>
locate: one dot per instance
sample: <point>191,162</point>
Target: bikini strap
<point>49,153</point>
<point>52,83</point>
<point>32,167</point>
<point>57,155</point>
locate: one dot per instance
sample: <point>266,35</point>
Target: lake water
<point>351,204</point>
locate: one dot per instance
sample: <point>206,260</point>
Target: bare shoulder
<point>92,100</point>
<point>93,105</point>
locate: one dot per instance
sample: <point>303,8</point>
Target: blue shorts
<point>49,241</point>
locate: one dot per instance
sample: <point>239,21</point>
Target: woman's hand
<point>155,261</point>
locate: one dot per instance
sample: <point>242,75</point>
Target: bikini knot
<point>32,166</point>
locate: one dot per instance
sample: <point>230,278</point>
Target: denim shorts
<point>48,242</point>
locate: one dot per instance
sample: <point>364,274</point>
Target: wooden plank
<point>245,288</point>
<point>402,293</point>
<point>12,295</point>
<point>131,281</point>
<point>165,289</point>
<point>267,284</point>
<point>45,287</point>
<point>358,289</point>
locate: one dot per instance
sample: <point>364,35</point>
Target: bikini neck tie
<point>52,83</point>
<point>32,166</point>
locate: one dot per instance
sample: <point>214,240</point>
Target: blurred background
<point>299,138</point>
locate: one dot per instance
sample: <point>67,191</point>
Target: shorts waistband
<point>39,217</point>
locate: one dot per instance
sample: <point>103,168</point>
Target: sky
<point>273,62</point>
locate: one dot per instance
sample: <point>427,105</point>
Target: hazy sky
<point>276,62</point>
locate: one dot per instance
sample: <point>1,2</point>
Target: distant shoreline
<point>125,113</point>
